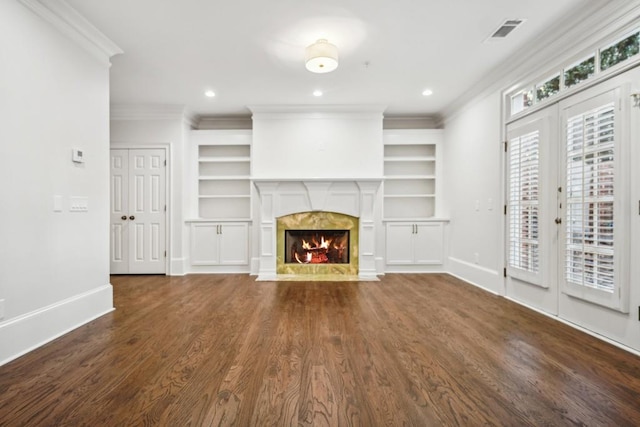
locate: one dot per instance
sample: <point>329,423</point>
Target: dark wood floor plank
<point>415,350</point>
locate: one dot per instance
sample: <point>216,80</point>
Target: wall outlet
<point>1,309</point>
<point>78,204</point>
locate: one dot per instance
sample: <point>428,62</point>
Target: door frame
<point>122,145</point>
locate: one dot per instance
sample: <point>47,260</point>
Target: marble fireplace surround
<point>355,197</point>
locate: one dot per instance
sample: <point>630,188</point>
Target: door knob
<point>123,217</point>
<point>132,217</point>
<point>558,220</point>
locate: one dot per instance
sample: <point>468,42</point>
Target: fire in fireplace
<point>316,246</point>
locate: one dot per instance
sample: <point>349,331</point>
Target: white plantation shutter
<point>589,218</point>
<point>524,205</point>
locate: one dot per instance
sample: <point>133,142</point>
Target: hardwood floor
<point>418,350</point>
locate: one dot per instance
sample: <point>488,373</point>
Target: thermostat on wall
<point>77,155</point>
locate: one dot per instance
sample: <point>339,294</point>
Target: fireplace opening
<point>316,246</point>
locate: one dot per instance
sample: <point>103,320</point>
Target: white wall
<point>473,192</point>
<point>54,273</point>
<point>141,132</point>
<point>324,144</point>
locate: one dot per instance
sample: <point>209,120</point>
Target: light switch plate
<point>57,203</point>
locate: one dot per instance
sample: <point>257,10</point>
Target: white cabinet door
<point>204,244</point>
<point>219,243</point>
<point>399,243</point>
<point>138,212</point>
<point>428,243</point>
<point>415,243</point>
<point>234,240</point>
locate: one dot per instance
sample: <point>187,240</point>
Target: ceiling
<point>251,52</point>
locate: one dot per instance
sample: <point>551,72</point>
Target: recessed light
<point>210,94</point>
<point>427,92</point>
<point>317,93</point>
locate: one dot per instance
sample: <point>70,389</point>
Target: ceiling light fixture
<point>321,57</point>
<point>210,94</point>
<point>427,92</point>
<point>317,93</point>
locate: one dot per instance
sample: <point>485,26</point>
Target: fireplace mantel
<point>351,196</point>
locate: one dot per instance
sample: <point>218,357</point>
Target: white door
<point>138,211</point>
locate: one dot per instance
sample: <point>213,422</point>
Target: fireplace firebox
<point>316,246</point>
<point>317,243</point>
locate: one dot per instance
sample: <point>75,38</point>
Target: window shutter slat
<point>590,177</point>
<point>524,163</point>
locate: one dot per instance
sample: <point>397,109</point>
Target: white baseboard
<point>177,267</point>
<point>22,334</point>
<point>255,266</point>
<point>476,275</point>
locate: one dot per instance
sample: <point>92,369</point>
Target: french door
<point>566,224</point>
<point>138,211</point>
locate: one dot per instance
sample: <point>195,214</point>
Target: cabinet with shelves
<point>224,173</point>
<point>412,159</point>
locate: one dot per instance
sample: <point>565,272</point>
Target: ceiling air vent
<point>505,29</point>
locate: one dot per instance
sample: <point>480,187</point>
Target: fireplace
<point>316,246</point>
<point>336,204</point>
<point>317,243</point>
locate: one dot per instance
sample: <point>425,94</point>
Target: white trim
<point>22,334</point>
<point>150,112</point>
<point>166,146</point>
<point>313,111</point>
<point>591,23</point>
<point>69,22</point>
<point>479,276</point>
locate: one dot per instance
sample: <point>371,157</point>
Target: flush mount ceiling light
<point>321,57</point>
<point>209,94</point>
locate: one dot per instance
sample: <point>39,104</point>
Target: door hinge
<point>504,272</point>
<point>165,163</point>
<point>165,208</point>
<point>165,254</point>
<point>506,144</point>
<point>505,209</point>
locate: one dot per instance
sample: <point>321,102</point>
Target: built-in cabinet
<point>221,180</point>
<point>219,234</point>
<point>414,243</point>
<point>414,229</point>
<point>219,243</point>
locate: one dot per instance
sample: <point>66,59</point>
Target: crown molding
<point>150,112</point>
<point>225,122</point>
<point>312,109</point>
<point>411,122</point>
<point>580,29</point>
<point>69,22</point>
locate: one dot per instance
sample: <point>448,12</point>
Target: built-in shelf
<point>224,173</point>
<point>411,173</point>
